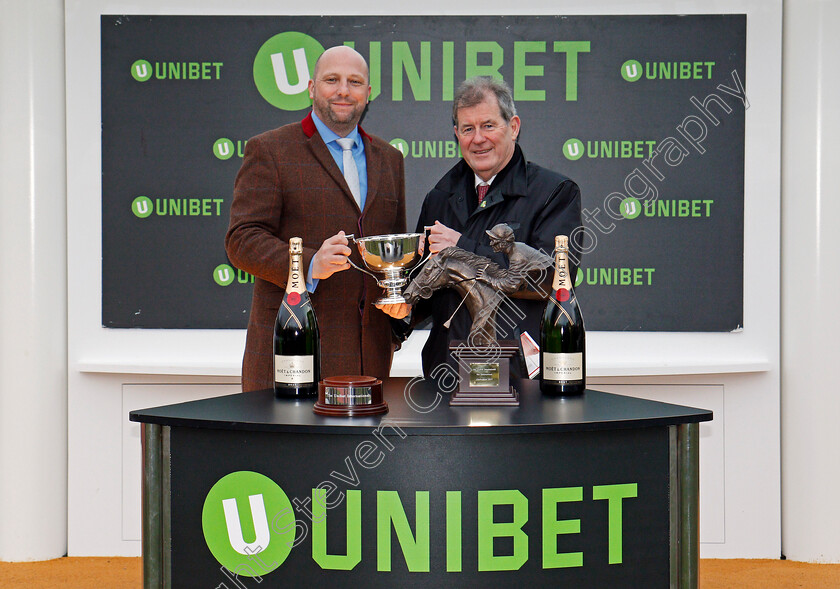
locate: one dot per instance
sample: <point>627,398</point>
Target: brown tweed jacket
<point>289,185</point>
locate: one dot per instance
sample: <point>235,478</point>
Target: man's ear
<point>515,125</point>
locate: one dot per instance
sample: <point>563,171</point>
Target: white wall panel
<point>33,311</point>
<point>811,259</point>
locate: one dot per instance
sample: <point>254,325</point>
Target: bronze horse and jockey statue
<point>483,286</point>
<point>481,283</point>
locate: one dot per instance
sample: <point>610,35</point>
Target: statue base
<point>484,374</point>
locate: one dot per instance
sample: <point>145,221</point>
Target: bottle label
<point>296,282</point>
<point>564,368</point>
<point>562,283</point>
<point>294,369</point>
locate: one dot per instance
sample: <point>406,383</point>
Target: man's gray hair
<point>473,91</point>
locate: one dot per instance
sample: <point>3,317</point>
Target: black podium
<point>251,491</point>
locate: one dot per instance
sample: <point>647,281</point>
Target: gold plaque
<point>484,374</point>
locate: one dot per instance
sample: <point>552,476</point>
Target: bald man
<point>292,184</point>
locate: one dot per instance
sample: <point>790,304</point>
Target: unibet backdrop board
<point>645,113</point>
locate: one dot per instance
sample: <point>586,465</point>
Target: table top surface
<point>419,408</point>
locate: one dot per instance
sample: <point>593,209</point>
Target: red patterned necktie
<point>482,191</point>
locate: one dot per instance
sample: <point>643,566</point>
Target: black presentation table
<point>599,490</point>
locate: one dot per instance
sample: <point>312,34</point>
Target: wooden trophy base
<point>350,396</point>
<point>484,375</point>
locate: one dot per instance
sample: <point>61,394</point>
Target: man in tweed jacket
<point>291,184</point>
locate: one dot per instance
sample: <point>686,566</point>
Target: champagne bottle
<point>297,343</point>
<point>562,334</point>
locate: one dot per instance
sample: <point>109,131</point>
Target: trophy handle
<point>427,253</point>
<point>352,238</point>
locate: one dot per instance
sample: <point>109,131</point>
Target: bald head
<point>341,54</point>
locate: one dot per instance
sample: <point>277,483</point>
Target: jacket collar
<point>512,181</point>
<point>309,128</point>
<point>322,154</point>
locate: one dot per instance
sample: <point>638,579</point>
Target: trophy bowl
<point>389,259</point>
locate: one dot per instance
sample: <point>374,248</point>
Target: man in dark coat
<point>492,184</point>
<point>292,183</point>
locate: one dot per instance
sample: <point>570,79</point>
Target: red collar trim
<point>308,125</point>
<point>310,129</point>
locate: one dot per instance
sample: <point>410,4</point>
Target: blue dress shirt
<point>358,151</point>
<point>329,136</point>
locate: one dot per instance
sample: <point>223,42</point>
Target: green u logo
<point>282,68</point>
<point>248,523</point>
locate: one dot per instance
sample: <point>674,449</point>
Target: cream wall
<point>33,292</point>
<point>811,271</point>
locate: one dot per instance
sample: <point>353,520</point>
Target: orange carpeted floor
<point>73,573</point>
<point>767,574</point>
<point>117,573</point>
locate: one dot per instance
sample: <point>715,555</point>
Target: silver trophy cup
<point>389,259</point>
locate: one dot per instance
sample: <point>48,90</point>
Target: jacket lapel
<point>513,184</point>
<point>456,184</point>
<point>458,204</point>
<point>322,153</point>
<point>374,170</point>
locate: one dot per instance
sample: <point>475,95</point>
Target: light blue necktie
<point>351,172</point>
